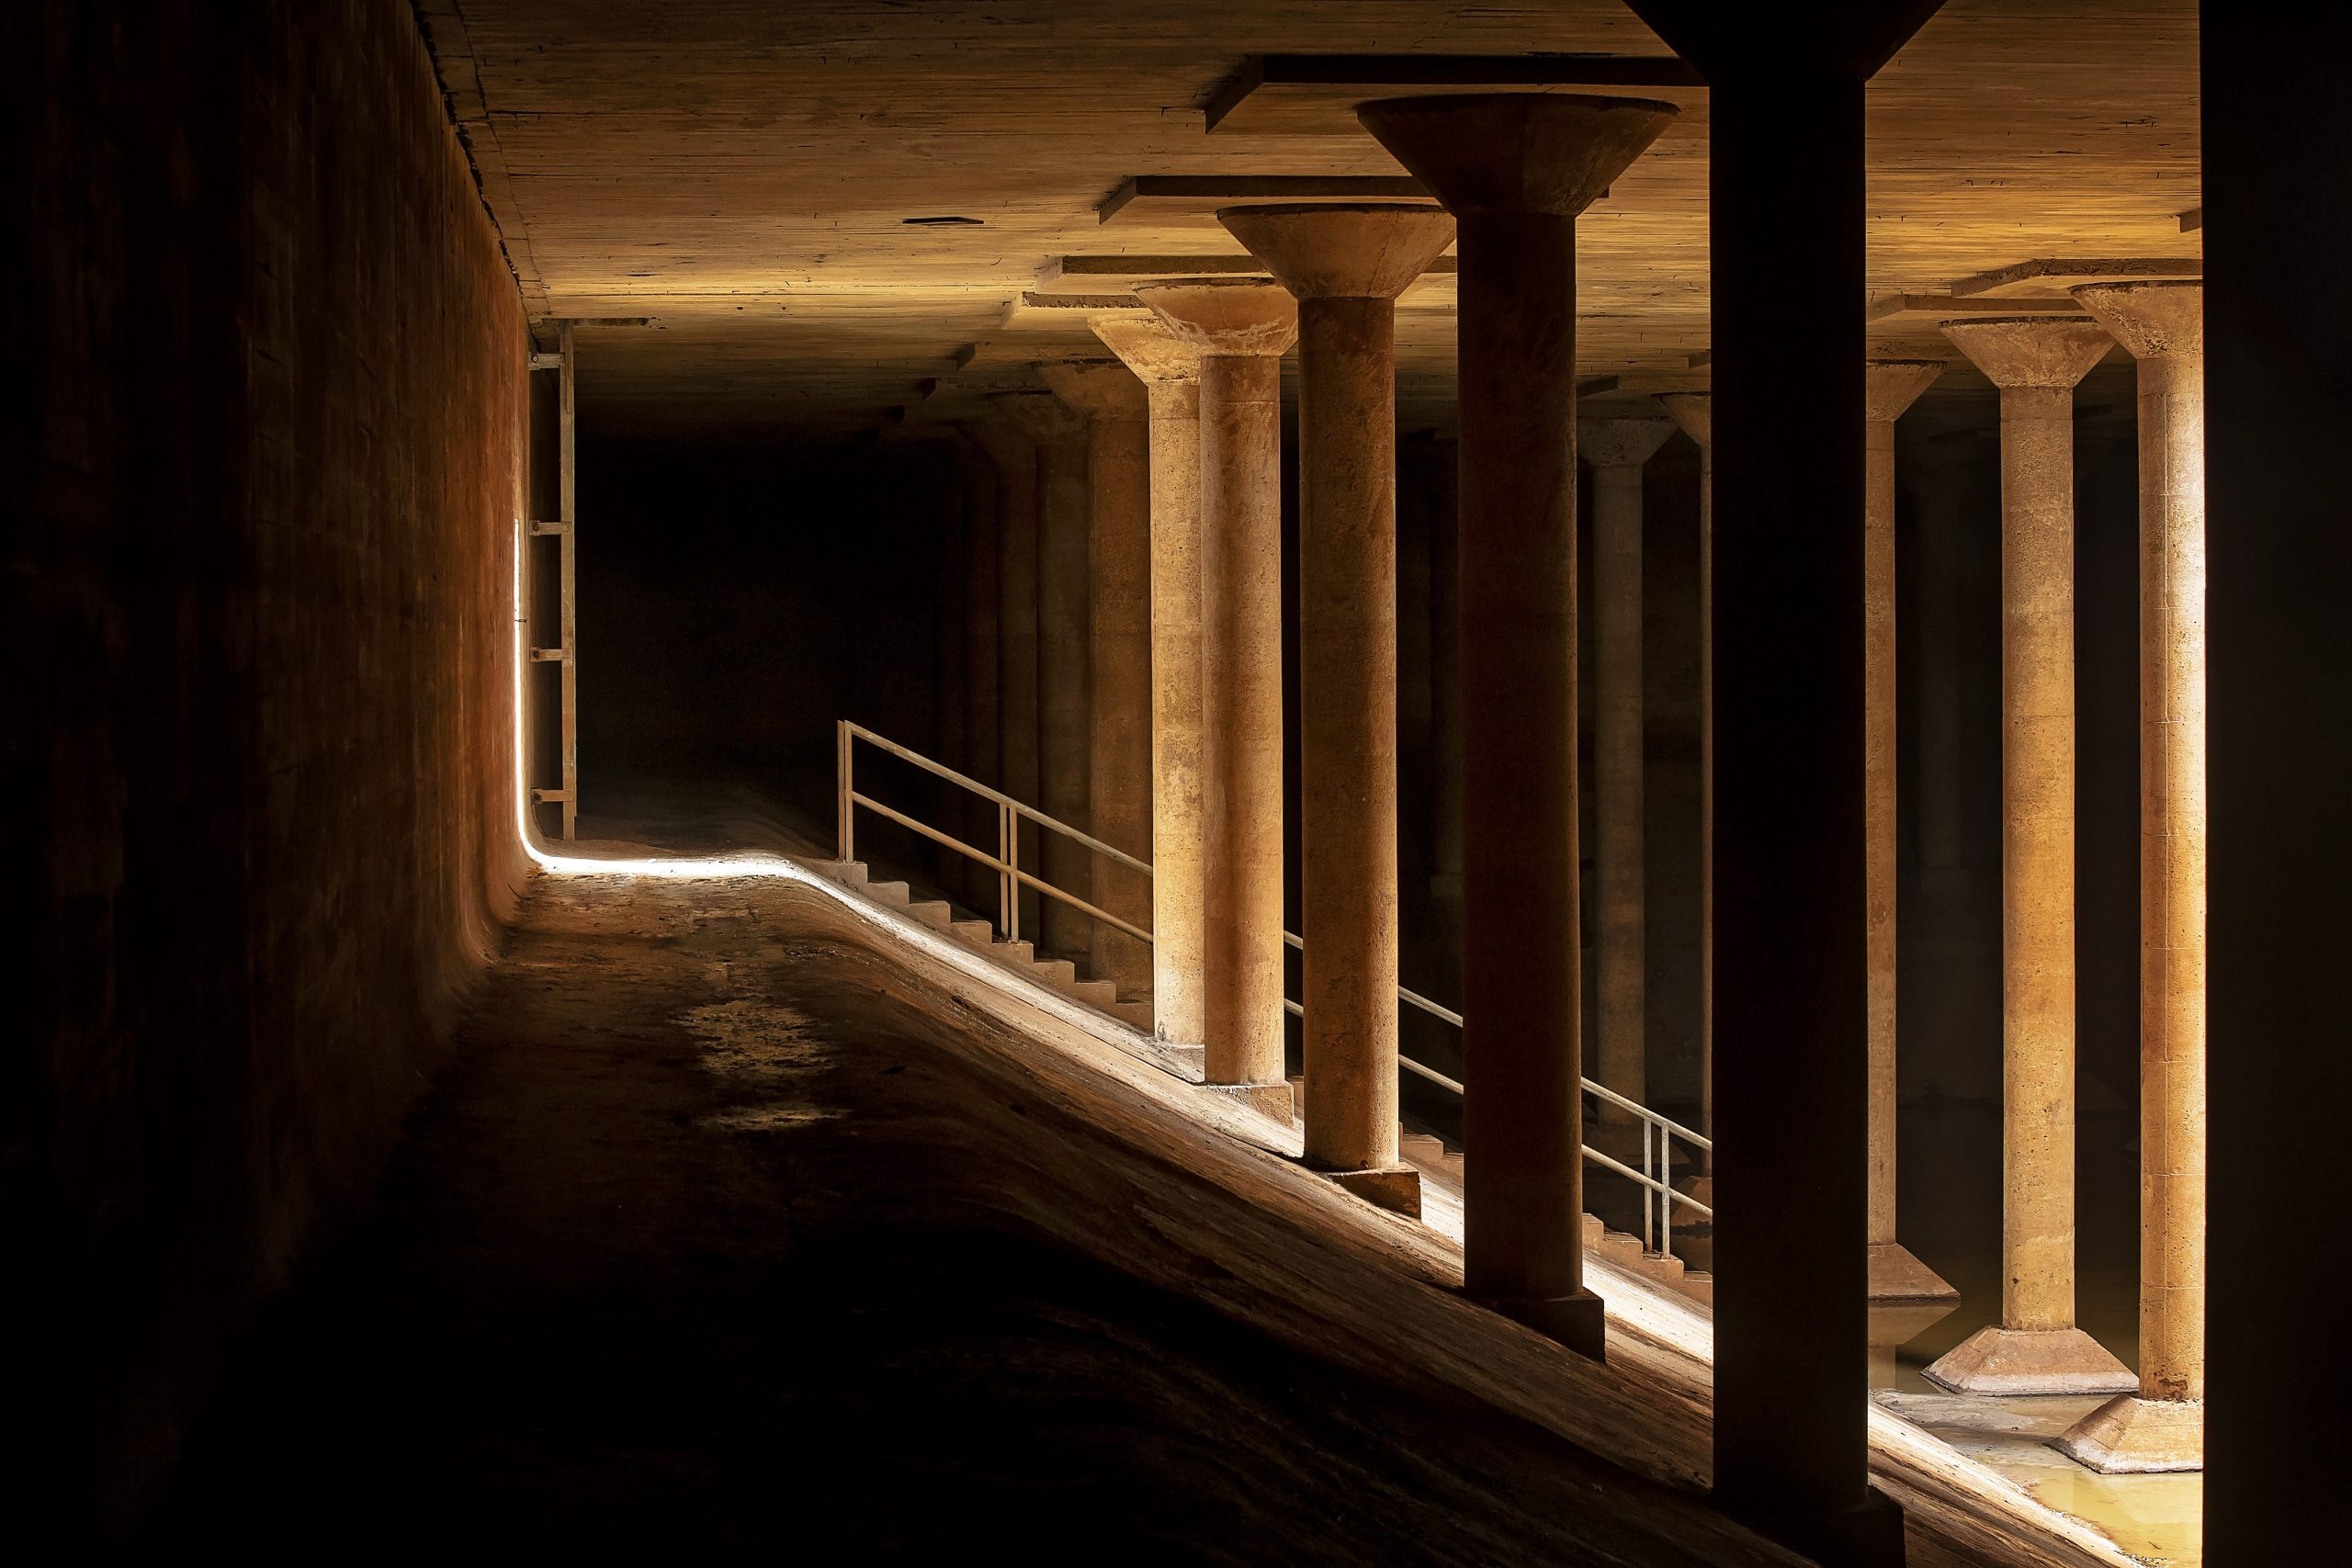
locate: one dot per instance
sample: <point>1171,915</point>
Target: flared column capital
<point>2153,318</point>
<point>1352,250</point>
<point>2052,352</point>
<point>1890,386</point>
<point>1043,418</point>
<point>1225,317</point>
<point>1516,152</point>
<point>1694,412</point>
<point>1099,389</point>
<point>1148,346</point>
<point>1611,439</point>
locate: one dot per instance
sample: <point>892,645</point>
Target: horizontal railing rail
<point>1660,1197</point>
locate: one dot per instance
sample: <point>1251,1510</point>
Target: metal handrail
<point>1658,1131</point>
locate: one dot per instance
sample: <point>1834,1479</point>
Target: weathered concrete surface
<point>1170,369</point>
<point>1617,444</point>
<point>735,1216</point>
<point>1118,569</point>
<point>2036,1348</point>
<point>1890,386</point>
<point>2163,325</point>
<point>1514,171</point>
<point>1345,265</point>
<point>257,619</point>
<point>1242,329</point>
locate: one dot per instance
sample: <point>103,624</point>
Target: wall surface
<point>254,612</point>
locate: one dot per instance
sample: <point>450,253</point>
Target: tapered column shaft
<point>1523,1057</point>
<point>1242,636</point>
<point>1118,468</point>
<point>1345,265</point>
<point>1694,412</point>
<point>983,686</point>
<point>1617,447</point>
<point>2036,1348</point>
<point>2163,325</point>
<point>1890,387</point>
<point>2038,855</point>
<point>1514,170</point>
<point>1240,329</point>
<point>1065,711</point>
<point>1170,369</point>
<point>1179,736</point>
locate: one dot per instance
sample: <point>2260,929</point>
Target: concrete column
<point>1240,328</point>
<point>1015,456</point>
<point>1890,387</point>
<point>1515,170</point>
<point>1118,468</point>
<point>2036,1348</point>
<point>2162,1426</point>
<point>1170,369</point>
<point>1617,446</point>
<point>1694,412</point>
<point>1445,713</point>
<point>1064,660</point>
<point>983,613</point>
<point>1346,265</point>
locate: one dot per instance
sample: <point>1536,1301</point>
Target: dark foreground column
<point>2278,423</point>
<point>1787,209</point>
<point>1515,170</point>
<point>1346,265</point>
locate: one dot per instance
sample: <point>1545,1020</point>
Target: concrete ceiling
<point>742,171</point>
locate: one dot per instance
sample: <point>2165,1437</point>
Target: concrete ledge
<point>1267,1098</point>
<point>1576,1322</point>
<point>2032,1361</point>
<point>1396,1188</point>
<point>2132,1436</point>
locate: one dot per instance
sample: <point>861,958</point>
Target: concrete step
<point>850,873</point>
<point>935,913</point>
<point>1019,953</point>
<point>1134,1015</point>
<point>1095,993</point>
<point>979,933</point>
<point>1058,973</point>
<point>1298,1096</point>
<point>895,894</point>
<point>1421,1148</point>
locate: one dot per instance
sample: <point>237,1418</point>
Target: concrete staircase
<point>1019,957</point>
<point>1439,1160</point>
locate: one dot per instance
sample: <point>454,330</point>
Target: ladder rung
<point>541,527</point>
<point>549,797</point>
<point>546,655</point>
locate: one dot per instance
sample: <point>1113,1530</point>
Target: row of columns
<point>1512,171</point>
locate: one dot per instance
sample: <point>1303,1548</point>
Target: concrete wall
<point>257,711</point>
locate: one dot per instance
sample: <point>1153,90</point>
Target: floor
<point>718,1235</point>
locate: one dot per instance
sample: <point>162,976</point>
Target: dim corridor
<point>724,1232</point>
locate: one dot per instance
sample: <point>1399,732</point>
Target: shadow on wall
<point>736,600</point>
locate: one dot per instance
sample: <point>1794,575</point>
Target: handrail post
<point>846,836</point>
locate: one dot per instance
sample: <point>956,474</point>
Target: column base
<point>1266,1098</point>
<point>2032,1361</point>
<point>1396,1188</point>
<point>1897,1276</point>
<point>1867,1535</point>
<point>1578,1322</point>
<point>2132,1436</point>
